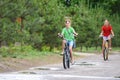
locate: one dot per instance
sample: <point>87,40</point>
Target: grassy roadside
<point>24,52</point>
<point>27,52</point>
<point>17,58</point>
<point>20,58</point>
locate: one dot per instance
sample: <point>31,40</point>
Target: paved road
<point>92,67</point>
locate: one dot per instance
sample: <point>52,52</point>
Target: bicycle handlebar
<point>61,36</point>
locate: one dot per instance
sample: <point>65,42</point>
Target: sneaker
<point>72,63</point>
<point>61,53</point>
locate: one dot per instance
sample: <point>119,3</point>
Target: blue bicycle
<point>66,54</point>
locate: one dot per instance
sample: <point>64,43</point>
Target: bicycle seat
<point>107,40</point>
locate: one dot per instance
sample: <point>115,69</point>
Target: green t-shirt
<point>68,33</point>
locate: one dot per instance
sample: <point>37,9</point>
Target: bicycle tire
<point>105,54</point>
<point>64,61</point>
<point>107,50</point>
<point>68,60</point>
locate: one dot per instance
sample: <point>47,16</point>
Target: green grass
<point>28,52</point>
<point>24,52</point>
<point>116,48</point>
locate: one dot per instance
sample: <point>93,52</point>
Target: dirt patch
<point>14,64</point>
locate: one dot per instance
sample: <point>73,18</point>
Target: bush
<point>16,51</point>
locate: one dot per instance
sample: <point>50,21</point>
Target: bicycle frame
<point>106,44</point>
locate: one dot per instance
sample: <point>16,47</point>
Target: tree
<point>37,22</point>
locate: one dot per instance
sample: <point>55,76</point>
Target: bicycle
<point>66,54</point>
<point>106,49</point>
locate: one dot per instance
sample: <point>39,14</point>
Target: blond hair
<point>68,19</point>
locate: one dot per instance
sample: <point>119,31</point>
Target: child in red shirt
<point>106,33</point>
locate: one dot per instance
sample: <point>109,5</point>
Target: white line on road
<point>47,76</point>
<point>77,76</point>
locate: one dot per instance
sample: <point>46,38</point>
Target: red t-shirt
<point>106,30</point>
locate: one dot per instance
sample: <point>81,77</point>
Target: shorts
<point>106,37</point>
<point>70,43</point>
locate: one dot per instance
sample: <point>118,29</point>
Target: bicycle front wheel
<point>66,60</point>
<point>105,54</point>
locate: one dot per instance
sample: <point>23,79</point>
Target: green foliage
<point>45,49</point>
<point>112,6</point>
<point>41,20</point>
<point>18,51</point>
<point>25,51</point>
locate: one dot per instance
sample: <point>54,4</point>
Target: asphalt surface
<point>91,67</point>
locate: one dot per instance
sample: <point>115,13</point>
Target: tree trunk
<point>22,24</point>
<point>0,43</point>
<point>51,47</point>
